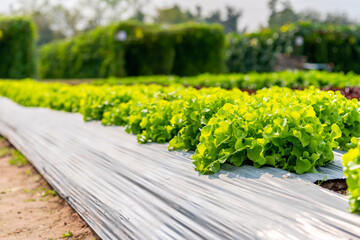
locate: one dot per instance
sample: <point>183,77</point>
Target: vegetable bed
<point>293,130</point>
<point>250,81</point>
<point>134,191</point>
<point>289,129</point>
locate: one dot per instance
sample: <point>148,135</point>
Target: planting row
<point>289,129</point>
<point>250,81</point>
<point>280,127</point>
<point>351,162</point>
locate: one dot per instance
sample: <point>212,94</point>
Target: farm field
<point>295,130</point>
<point>262,133</point>
<point>250,81</point>
<point>131,172</point>
<point>178,124</point>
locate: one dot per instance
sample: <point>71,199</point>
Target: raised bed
<point>125,190</point>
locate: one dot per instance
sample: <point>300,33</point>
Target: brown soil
<point>28,210</point>
<point>336,185</point>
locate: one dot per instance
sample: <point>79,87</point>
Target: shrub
<point>17,48</point>
<point>199,48</point>
<point>150,52</point>
<point>321,44</point>
<point>135,49</point>
<point>95,54</point>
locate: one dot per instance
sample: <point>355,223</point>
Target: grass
<point>35,190</point>
<point>45,194</point>
<point>4,151</point>
<point>66,235</point>
<point>50,192</point>
<point>322,181</point>
<point>18,159</point>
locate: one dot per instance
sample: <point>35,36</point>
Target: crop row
<point>249,81</point>
<point>289,129</point>
<point>351,162</point>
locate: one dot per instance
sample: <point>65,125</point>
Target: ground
<point>29,208</point>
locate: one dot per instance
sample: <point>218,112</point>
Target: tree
<point>231,21</point>
<point>172,15</point>
<point>310,15</point>
<point>103,12</point>
<point>272,5</point>
<point>40,11</point>
<point>232,17</point>
<point>139,15</point>
<point>214,17</point>
<point>198,15</point>
<point>65,21</point>
<point>138,6</point>
<point>339,18</point>
<point>280,18</point>
<point>288,15</point>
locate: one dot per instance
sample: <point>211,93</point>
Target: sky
<point>255,12</point>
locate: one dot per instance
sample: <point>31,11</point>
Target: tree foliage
<point>282,13</point>
<point>56,21</point>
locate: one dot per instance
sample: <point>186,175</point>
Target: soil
<point>336,185</point>
<point>28,207</point>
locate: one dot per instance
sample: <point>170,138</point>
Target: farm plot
<point>279,127</point>
<point>138,191</point>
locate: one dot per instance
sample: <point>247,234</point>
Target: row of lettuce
<point>289,129</point>
<point>249,81</point>
<point>133,49</point>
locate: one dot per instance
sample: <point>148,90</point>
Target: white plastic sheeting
<point>125,190</point>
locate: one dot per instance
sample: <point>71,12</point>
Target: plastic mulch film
<point>125,190</point>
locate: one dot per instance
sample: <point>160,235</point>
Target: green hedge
<point>199,49</point>
<point>149,51</point>
<point>339,45</point>
<point>95,54</point>
<point>133,49</point>
<point>17,48</point>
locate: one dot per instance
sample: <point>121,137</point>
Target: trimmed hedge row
<point>90,55</point>
<point>320,43</point>
<point>132,49</point>
<point>17,47</point>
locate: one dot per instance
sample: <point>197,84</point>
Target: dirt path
<point>29,209</point>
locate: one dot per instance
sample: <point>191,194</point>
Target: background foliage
<point>17,47</point>
<point>322,43</point>
<point>186,49</point>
